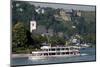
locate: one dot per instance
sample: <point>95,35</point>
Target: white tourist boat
<point>58,51</point>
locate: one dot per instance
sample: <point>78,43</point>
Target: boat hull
<point>55,56</point>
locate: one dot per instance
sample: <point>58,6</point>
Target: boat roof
<point>49,47</point>
<point>45,47</point>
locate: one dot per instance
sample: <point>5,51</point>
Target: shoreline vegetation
<point>20,55</point>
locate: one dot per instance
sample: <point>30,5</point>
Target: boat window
<point>53,53</point>
<point>71,52</point>
<point>40,54</point>
<point>76,48</point>
<point>63,48</point>
<point>58,49</point>
<point>45,54</point>
<point>52,49</point>
<point>49,49</point>
<point>67,52</point>
<point>67,48</point>
<point>50,53</point>
<point>63,53</point>
<point>58,53</point>
<point>71,48</point>
<point>74,53</point>
<point>45,49</point>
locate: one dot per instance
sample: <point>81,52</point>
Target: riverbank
<point>20,55</point>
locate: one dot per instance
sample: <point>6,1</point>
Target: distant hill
<point>68,22</point>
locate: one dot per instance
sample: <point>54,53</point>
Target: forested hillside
<point>62,24</point>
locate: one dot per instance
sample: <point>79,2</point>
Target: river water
<point>87,54</point>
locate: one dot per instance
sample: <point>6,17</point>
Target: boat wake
<point>84,54</point>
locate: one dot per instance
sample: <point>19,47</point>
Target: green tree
<point>19,36</point>
<point>55,41</point>
<point>22,12</point>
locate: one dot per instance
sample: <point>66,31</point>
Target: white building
<point>32,25</point>
<point>74,40</point>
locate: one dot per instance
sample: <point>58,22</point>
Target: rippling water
<point>89,57</point>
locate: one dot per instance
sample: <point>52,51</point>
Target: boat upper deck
<point>46,49</point>
<point>60,47</point>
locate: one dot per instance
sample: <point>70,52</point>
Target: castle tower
<point>32,25</point>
